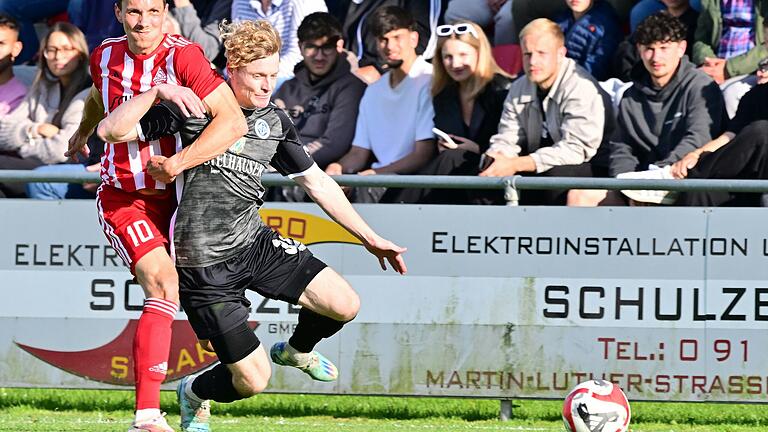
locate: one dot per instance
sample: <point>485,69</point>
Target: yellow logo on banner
<point>306,228</point>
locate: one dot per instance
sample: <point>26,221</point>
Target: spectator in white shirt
<point>394,125</point>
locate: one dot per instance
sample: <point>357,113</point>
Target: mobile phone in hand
<point>448,142</point>
<point>485,162</point>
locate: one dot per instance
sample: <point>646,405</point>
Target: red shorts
<point>135,223</point>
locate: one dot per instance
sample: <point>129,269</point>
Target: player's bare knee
<point>350,306</point>
<point>346,304</point>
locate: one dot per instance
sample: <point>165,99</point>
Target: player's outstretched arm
<point>329,196</point>
<point>93,112</point>
<point>227,126</point>
<point>121,124</point>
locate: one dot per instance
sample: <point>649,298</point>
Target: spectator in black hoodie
<point>323,96</point>
<point>671,109</point>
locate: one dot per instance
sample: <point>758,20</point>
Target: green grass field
<point>103,411</point>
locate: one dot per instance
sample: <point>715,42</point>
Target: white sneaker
<point>156,424</point>
<point>662,197</point>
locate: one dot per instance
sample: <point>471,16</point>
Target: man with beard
<point>394,125</point>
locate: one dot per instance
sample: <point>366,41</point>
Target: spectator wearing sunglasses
<point>468,92</point>
<point>554,120</point>
<point>324,95</point>
<point>393,134</point>
<point>592,33</point>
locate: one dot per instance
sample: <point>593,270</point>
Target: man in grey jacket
<point>554,120</point>
<point>671,109</point>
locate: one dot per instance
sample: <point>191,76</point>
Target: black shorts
<point>275,267</point>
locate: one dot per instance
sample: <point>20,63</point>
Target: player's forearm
<point>227,126</point>
<point>221,133</point>
<point>93,112</point>
<point>120,124</point>
<point>329,196</point>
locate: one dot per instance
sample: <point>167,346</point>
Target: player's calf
<point>243,372</point>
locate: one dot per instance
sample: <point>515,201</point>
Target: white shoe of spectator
<point>662,197</point>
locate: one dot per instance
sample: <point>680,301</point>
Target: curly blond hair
<point>246,41</point>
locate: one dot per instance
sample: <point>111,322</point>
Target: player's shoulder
<point>112,43</point>
<point>176,40</point>
<point>285,119</point>
<point>181,44</point>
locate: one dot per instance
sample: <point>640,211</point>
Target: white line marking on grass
<point>405,426</point>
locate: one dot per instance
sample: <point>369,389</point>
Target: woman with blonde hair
<point>468,93</point>
<point>36,133</point>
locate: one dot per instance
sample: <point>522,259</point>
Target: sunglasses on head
<point>763,65</point>
<point>457,29</point>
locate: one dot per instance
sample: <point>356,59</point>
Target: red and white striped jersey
<point>119,74</point>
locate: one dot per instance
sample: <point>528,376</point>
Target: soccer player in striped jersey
<point>135,208</point>
<point>218,260</point>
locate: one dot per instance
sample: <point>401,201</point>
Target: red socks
<point>151,347</point>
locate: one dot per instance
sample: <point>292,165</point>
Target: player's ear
<point>117,11</point>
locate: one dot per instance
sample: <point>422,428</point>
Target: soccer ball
<point>596,406</point>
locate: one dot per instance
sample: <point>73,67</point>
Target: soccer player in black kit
<point>223,248</point>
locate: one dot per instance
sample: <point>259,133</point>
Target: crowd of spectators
<point>592,88</point>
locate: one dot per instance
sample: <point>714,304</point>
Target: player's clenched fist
<point>77,144</point>
<point>161,169</point>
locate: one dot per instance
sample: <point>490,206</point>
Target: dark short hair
<point>319,25</point>
<point>660,27</point>
<point>9,22</point>
<point>390,18</point>
<point>119,3</point>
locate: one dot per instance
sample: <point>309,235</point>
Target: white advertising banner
<point>669,303</point>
